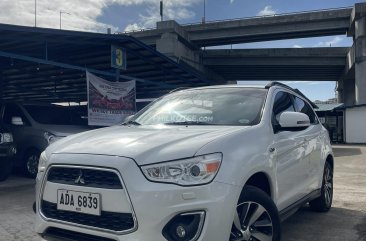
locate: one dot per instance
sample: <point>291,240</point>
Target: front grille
<point>62,234</point>
<point>107,220</point>
<point>84,177</point>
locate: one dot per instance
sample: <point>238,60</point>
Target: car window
<point>283,102</point>
<point>216,106</point>
<point>12,110</point>
<point>54,115</point>
<point>303,107</point>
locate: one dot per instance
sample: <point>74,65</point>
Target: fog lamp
<point>185,226</point>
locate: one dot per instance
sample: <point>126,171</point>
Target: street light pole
<point>61,12</point>
<point>162,10</point>
<point>204,12</point>
<point>35,13</point>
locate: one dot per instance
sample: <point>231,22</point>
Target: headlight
<point>6,138</point>
<point>51,138</point>
<point>187,172</point>
<point>42,162</point>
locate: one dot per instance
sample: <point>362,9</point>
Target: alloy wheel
<point>252,222</point>
<point>32,165</point>
<point>328,185</point>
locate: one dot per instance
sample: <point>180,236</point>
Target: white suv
<point>211,164</point>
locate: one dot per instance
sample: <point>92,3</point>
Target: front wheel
<point>30,163</point>
<point>256,217</point>
<point>324,202</point>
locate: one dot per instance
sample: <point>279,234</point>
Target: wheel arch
<point>330,160</point>
<point>262,181</point>
<point>29,149</point>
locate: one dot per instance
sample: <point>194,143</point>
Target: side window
<point>1,113</point>
<point>303,107</point>
<point>11,111</point>
<point>282,103</point>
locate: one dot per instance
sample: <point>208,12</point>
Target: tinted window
<point>282,103</point>
<point>54,115</point>
<point>303,107</point>
<point>12,110</point>
<point>224,106</point>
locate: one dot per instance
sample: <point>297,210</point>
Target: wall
<point>355,125</point>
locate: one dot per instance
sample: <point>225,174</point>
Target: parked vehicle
<point>35,126</point>
<point>211,164</point>
<point>7,151</point>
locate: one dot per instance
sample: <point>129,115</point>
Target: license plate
<point>81,202</point>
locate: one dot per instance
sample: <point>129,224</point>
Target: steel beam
<point>75,67</point>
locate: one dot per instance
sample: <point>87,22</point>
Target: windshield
<point>54,115</point>
<point>225,106</point>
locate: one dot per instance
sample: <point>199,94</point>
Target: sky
<point>128,15</point>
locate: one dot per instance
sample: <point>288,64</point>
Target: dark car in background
<point>35,126</point>
<point>7,151</point>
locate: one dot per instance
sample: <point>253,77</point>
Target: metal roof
<point>49,64</point>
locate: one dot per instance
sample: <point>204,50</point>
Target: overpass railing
<point>243,18</point>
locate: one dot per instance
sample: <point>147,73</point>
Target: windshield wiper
<point>131,122</point>
<point>188,123</point>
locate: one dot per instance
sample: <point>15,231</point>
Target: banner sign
<point>118,57</point>
<point>109,103</point>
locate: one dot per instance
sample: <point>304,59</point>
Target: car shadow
<point>346,151</point>
<point>338,224</point>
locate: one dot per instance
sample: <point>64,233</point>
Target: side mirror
<point>17,121</point>
<point>128,118</point>
<point>293,120</point>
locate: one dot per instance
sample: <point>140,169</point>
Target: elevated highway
<point>266,28</point>
<point>277,64</point>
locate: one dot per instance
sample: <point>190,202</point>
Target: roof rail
<point>178,89</point>
<point>275,83</point>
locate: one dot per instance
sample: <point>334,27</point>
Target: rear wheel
<point>5,169</point>
<point>256,217</point>
<point>324,202</point>
<point>30,163</point>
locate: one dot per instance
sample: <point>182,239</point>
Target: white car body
<point>291,161</point>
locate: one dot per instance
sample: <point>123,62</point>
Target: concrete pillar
<point>349,92</point>
<point>340,97</point>
<point>175,44</point>
<point>360,63</point>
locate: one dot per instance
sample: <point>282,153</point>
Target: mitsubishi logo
<point>80,178</point>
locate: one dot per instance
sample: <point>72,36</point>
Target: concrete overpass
<point>287,26</point>
<point>277,64</point>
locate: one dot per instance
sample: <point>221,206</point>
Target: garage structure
<point>49,65</point>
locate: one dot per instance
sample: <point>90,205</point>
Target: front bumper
<point>154,204</point>
<point>7,150</point>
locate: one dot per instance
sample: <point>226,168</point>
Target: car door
<point>313,143</point>
<point>289,155</point>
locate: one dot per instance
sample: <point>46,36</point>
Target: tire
<point>257,217</point>
<point>5,169</point>
<point>30,163</point>
<point>324,202</point>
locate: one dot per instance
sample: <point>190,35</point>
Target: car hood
<point>144,144</point>
<point>65,130</point>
